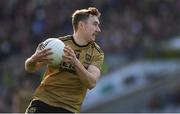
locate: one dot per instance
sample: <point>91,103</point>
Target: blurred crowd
<point>129,27</point>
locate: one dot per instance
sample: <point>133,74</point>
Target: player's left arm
<point>88,76</point>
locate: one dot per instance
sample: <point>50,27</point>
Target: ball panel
<point>57,47</point>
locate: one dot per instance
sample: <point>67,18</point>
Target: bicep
<point>94,71</point>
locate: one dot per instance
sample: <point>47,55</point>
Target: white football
<point>57,47</point>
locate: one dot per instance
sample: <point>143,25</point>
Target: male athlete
<point>63,88</point>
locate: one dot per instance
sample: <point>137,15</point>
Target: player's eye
<point>95,24</point>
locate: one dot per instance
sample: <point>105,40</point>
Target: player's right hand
<point>42,55</point>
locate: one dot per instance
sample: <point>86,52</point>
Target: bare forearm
<point>85,76</point>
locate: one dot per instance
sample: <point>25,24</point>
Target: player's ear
<point>81,25</point>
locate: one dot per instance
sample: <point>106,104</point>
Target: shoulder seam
<point>65,38</point>
<point>97,48</point>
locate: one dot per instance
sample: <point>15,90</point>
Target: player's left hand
<point>69,55</point>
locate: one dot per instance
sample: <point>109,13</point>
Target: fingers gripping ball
<point>57,47</point>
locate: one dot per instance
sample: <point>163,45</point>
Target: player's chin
<point>93,38</point>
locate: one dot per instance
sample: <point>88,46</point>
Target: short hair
<point>83,14</point>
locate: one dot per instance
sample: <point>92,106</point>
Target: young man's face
<point>91,28</point>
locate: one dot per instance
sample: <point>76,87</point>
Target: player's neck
<point>79,39</point>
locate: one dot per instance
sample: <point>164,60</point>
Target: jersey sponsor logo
<point>87,61</point>
<point>70,68</point>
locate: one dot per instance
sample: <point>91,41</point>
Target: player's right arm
<point>38,59</point>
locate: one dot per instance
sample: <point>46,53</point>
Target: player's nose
<point>98,29</point>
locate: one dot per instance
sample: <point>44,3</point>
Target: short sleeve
<point>98,59</point>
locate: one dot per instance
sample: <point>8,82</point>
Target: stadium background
<point>140,39</point>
